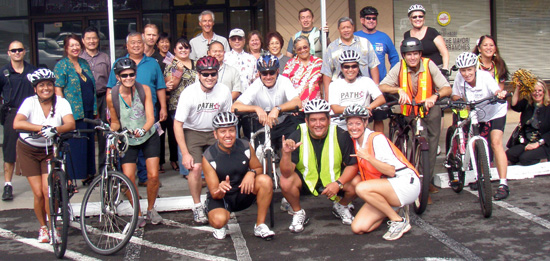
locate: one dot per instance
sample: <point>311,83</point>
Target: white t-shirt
<point>267,98</point>
<point>197,108</point>
<point>31,109</point>
<point>362,91</point>
<point>486,86</point>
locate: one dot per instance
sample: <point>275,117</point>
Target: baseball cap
<point>236,32</point>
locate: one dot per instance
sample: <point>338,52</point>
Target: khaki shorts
<point>31,161</point>
<point>197,142</point>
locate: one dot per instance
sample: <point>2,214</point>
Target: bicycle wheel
<point>59,212</point>
<point>421,163</point>
<point>269,171</point>
<point>107,218</point>
<point>483,179</point>
<point>454,167</point>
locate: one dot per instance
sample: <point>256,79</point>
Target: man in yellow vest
<point>316,159</point>
<point>419,79</point>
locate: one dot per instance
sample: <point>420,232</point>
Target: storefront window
<point>10,31</point>
<point>162,21</point>
<point>40,7</point>
<point>13,8</point>
<point>198,2</point>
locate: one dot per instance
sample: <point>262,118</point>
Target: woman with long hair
<point>489,59</point>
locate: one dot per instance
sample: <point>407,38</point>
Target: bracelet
<point>253,171</point>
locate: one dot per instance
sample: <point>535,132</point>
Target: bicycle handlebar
<point>492,100</point>
<point>74,134</point>
<point>255,115</point>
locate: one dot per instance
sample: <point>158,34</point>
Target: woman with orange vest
<point>389,180</point>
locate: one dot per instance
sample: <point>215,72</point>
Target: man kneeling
<point>232,173</point>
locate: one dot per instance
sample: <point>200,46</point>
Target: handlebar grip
<point>96,122</point>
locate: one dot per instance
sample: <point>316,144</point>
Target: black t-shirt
<point>17,88</point>
<point>344,141</point>
<point>430,49</point>
<point>235,164</point>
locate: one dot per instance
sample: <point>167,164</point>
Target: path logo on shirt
<point>208,107</point>
<point>379,48</point>
<point>352,95</point>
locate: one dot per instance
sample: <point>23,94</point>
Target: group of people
<point>190,88</point>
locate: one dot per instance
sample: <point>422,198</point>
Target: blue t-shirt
<point>382,45</point>
<point>148,73</point>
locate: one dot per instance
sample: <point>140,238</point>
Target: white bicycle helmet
<point>356,110</point>
<point>316,105</point>
<point>416,7</point>
<point>40,75</point>
<point>465,60</point>
<point>349,56</point>
<point>224,119</point>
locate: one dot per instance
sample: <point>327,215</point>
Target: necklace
<point>485,68</point>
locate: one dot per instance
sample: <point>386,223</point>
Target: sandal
<point>72,187</point>
<point>175,166</point>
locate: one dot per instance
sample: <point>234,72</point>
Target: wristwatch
<point>278,108</point>
<point>438,95</point>
<point>253,171</point>
<point>340,185</point>
<point>541,142</point>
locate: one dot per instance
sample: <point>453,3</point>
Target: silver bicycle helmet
<point>411,44</point>
<point>356,110</point>
<point>316,105</point>
<point>224,119</point>
<point>416,7</point>
<point>124,64</point>
<point>465,60</point>
<point>40,75</point>
<point>349,56</point>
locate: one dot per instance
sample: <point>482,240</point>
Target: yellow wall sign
<point>443,18</point>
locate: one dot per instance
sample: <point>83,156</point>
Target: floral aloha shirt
<point>68,79</point>
<point>187,78</point>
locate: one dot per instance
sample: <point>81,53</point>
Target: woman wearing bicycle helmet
<point>378,157</point>
<point>489,59</point>
<point>432,41</point>
<point>352,88</point>
<point>473,85</point>
<point>48,115</point>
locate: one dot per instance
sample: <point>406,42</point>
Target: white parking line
<point>47,247</point>
<point>175,250</point>
<point>238,240</point>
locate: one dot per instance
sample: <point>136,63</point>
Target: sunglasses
<point>17,50</point>
<point>265,73</point>
<point>417,17</point>
<point>299,49</point>
<point>370,18</point>
<point>126,75</point>
<point>355,66</point>
<point>213,74</point>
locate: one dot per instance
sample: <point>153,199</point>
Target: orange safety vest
<point>424,87</point>
<point>367,170</point>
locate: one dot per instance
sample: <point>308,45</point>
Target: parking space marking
<point>178,251</point>
<point>518,211</point>
<point>44,246</point>
<point>446,240</point>
<point>238,240</point>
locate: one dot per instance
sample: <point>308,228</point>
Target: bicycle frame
<point>266,147</point>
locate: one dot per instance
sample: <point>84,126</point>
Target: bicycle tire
<point>421,163</point>
<point>109,232</point>
<point>483,179</point>
<point>270,172</point>
<point>455,162</point>
<point>59,212</point>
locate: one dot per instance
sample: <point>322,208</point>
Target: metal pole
<point>111,30</point>
<point>323,23</point>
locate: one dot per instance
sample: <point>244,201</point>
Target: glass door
<point>49,40</point>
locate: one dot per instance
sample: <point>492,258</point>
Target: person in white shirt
<point>197,105</point>
<point>227,74</point>
<point>474,85</point>
<point>199,44</point>
<point>353,88</point>
<point>238,58</point>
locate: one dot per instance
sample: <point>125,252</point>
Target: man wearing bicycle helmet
<point>352,88</point>
<point>234,177</point>
<point>472,84</point>
<point>32,158</point>
<point>378,157</point>
<point>197,106</point>
<point>419,79</point>
<point>273,93</point>
<point>131,107</point>
<point>316,159</point>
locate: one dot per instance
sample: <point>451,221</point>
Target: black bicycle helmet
<point>411,44</point>
<point>268,62</point>
<point>208,63</point>
<point>224,119</point>
<point>369,10</point>
<point>41,75</point>
<point>356,110</point>
<point>124,64</point>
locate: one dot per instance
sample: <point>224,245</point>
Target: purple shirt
<point>101,67</point>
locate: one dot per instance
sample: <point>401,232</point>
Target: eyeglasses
<point>236,38</point>
<point>17,50</point>
<point>299,49</point>
<point>181,47</point>
<point>370,18</point>
<point>213,74</point>
<point>355,66</point>
<point>126,75</point>
<point>265,73</point>
<point>417,17</point>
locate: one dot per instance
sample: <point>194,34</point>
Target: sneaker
<point>263,231</point>
<point>502,192</point>
<point>351,207</point>
<point>299,220</point>
<point>220,233</point>
<point>438,150</point>
<point>199,214</point>
<point>342,212</point>
<point>8,193</point>
<point>141,222</point>
<point>57,236</point>
<point>285,206</point>
<point>154,216</point>
<point>43,236</point>
<point>397,229</point>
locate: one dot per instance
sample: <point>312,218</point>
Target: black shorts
<point>10,137</point>
<point>150,148</point>
<point>319,187</point>
<point>495,124</point>
<point>232,202</point>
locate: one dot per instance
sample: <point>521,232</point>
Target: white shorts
<point>401,184</point>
